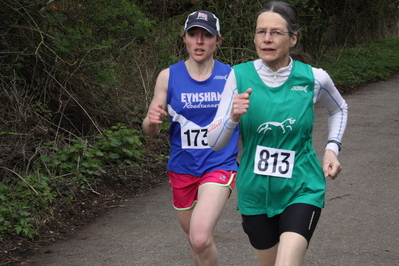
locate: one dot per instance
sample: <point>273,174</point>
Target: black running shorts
<point>264,232</point>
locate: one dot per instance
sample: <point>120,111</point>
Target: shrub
<point>60,174</point>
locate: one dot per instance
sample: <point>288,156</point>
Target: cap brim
<point>205,27</point>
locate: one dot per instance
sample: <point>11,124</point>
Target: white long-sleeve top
<point>325,92</point>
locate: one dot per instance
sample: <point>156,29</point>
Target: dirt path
<point>359,226</point>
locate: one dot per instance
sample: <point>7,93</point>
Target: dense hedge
<point>78,66</point>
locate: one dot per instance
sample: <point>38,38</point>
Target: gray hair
<point>287,11</point>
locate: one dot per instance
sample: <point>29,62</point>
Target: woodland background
<point>76,78</point>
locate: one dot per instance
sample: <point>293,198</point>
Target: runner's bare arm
<point>157,108</point>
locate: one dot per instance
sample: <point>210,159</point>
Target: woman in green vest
<point>280,181</point>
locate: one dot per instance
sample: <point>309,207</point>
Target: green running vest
<point>278,166</point>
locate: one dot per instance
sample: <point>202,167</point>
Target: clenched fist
<point>240,105</point>
<point>156,114</point>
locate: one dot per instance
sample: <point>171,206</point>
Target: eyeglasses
<point>273,33</point>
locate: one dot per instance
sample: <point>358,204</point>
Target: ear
<point>294,39</point>
<point>218,39</point>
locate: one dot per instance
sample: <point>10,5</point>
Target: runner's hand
<point>240,105</point>
<point>155,115</point>
<point>331,165</point>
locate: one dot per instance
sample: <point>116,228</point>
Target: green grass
<point>367,62</point>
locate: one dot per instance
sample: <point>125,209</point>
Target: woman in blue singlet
<point>201,179</point>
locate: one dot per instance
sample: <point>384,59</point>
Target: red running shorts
<point>185,187</point>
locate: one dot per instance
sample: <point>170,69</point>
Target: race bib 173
<point>194,138</point>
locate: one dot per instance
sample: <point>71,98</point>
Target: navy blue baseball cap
<point>203,19</point>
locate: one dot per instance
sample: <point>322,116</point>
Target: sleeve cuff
<point>333,146</point>
<point>230,124</point>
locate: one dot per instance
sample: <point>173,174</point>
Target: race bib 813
<point>274,162</point>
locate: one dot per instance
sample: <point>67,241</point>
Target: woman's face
<point>200,44</point>
<point>273,48</point>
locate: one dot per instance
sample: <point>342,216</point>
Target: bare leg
<point>267,257</point>
<point>291,250</point>
<point>211,201</point>
<point>184,217</point>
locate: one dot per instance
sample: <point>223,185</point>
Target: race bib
<point>274,162</point>
<point>194,138</point>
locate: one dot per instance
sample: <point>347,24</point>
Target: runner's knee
<point>200,243</point>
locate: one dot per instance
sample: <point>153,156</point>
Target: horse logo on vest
<point>283,125</point>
